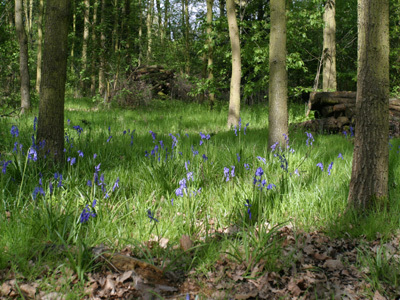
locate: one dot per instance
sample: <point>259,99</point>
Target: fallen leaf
<point>378,296</point>
<point>28,290</point>
<point>185,242</point>
<point>333,265</point>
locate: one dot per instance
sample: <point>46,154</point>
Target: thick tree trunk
<point>369,177</point>
<point>234,95</point>
<point>23,57</point>
<point>39,46</point>
<point>94,53</point>
<point>102,50</point>
<point>329,71</point>
<point>52,91</point>
<point>278,114</point>
<point>85,43</point>
<point>211,96</point>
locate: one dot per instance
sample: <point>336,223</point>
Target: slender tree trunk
<point>149,25</point>
<point>187,43</point>
<point>52,91</point>
<point>166,20</point>
<point>211,96</point>
<point>159,19</point>
<point>23,57</point>
<point>278,113</point>
<point>73,35</point>
<point>39,46</point>
<point>369,176</point>
<point>234,95</point>
<point>94,53</point>
<point>115,40</point>
<point>30,16</point>
<point>329,72</point>
<point>140,33</point>
<point>85,42</point>
<point>102,50</point>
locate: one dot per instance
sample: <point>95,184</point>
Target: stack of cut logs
<point>335,112</point>
<point>159,77</point>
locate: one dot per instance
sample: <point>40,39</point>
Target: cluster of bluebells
<point>320,165</point>
<point>203,137</point>
<point>182,189</point>
<point>248,205</point>
<point>87,213</point>
<point>240,126</point>
<point>150,215</point>
<point>261,183</point>
<point>229,172</point>
<point>310,139</point>
<point>4,165</point>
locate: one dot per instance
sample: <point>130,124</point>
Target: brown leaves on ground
<point>312,266</point>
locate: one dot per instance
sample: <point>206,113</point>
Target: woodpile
<point>157,76</point>
<point>335,112</point>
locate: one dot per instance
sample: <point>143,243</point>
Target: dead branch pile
<point>335,112</point>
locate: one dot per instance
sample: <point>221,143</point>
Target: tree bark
<point>187,28</point>
<point>39,46</point>
<point>23,57</point>
<point>369,177</point>
<point>102,50</point>
<point>140,34</point>
<point>211,96</point>
<point>52,91</point>
<point>94,53</point>
<point>329,71</point>
<point>149,25</point>
<point>221,8</point>
<point>234,95</point>
<point>115,40</point>
<point>85,42</point>
<point>166,20</point>
<point>278,113</point>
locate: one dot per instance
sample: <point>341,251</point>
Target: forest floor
<point>311,266</point>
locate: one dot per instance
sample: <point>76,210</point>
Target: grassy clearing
<point>138,173</point>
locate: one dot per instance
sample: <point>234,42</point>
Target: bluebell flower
<point>109,138</point>
<point>340,156</point>
<point>284,162</point>
<point>94,156</point>
<point>195,152</point>
<point>89,183</point>
<point>235,130</point>
<point>150,215</point>
<point>162,144</point>
<point>345,133</point>
<point>270,186</point>
<point>86,214</point>
<point>233,171</point>
<point>187,135</point>
<point>247,166</point>
<point>273,147</point>
<point>40,182</point>
<point>201,142</point>
<point>310,139</point>
<point>238,157</point>
<point>153,135</point>
<point>15,149</point>
<point>240,123</point>
<point>351,131</point>
<point>32,154</point>
<point>60,181</point>
<point>248,205</point>
<point>262,159</point>
<point>78,129</point>
<point>296,172</point>
<point>244,130</point>
<point>80,153</point>
<point>94,203</point>
<point>330,168</point>
<point>321,166</point>
<point>132,137</point>
<point>56,175</point>
<point>172,201</point>
<point>35,123</point>
<point>186,165</point>
<point>5,164</point>
<point>259,172</point>
<point>14,131</point>
<point>124,132</point>
<point>189,176</point>
<point>73,160</point>
<point>68,122</point>
<point>51,187</point>
<point>174,140</point>
<point>36,191</point>
<point>182,183</point>
<point>226,173</point>
<point>109,129</point>
<point>205,157</point>
<point>179,192</point>
<point>116,184</point>
<point>97,168</point>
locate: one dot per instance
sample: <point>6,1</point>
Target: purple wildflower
<point>330,168</point>
<point>321,166</point>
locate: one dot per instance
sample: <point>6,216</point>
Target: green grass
<point>311,200</point>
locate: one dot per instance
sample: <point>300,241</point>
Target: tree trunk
<point>234,95</point>
<point>140,33</point>
<point>94,53</point>
<point>85,42</point>
<point>278,114</point>
<point>52,91</point>
<point>369,177</point>
<point>329,71</point>
<point>39,46</point>
<point>102,50</point>
<point>221,8</point>
<point>115,41</point>
<point>166,20</point>
<point>211,96</point>
<point>187,27</point>
<point>160,28</point>
<point>149,25</point>
<point>23,57</point>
